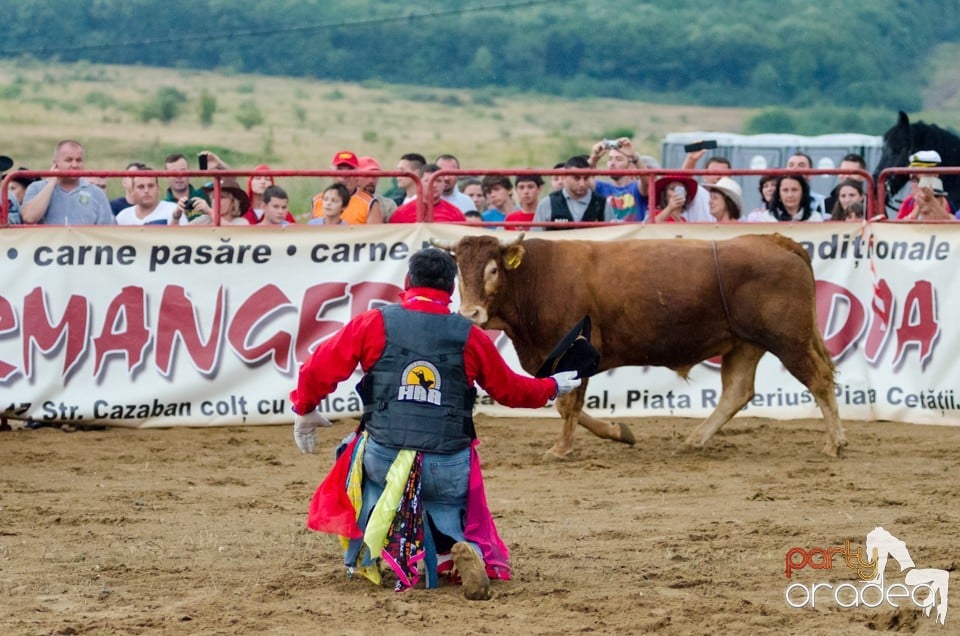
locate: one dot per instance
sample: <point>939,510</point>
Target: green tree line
<point>792,53</point>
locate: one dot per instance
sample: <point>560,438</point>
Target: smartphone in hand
<point>202,161</point>
<point>709,144</point>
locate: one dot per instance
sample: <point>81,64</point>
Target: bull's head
<point>482,262</point>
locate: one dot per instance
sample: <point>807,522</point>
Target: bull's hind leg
<point>617,431</point>
<point>815,370</point>
<point>737,371</point>
<point>570,407</point>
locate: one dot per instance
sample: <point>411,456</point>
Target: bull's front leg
<point>569,407</point>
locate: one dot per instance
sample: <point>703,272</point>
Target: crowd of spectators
<point>493,198</point>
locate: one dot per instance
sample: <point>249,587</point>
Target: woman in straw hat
<point>726,200</point>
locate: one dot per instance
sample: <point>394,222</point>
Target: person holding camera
<point>930,202</point>
<point>624,192</point>
<point>699,209</point>
<point>191,210</point>
<point>179,188</point>
<point>673,195</point>
<point>922,159</point>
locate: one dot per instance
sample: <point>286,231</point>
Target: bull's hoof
<point>625,434</point>
<point>835,447</point>
<point>834,450</point>
<point>556,454</point>
<point>689,445</point>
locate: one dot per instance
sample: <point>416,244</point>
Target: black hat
<point>5,163</point>
<point>573,353</point>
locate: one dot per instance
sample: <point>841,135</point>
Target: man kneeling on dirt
<point>407,486</point>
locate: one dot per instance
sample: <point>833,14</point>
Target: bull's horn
<point>516,241</point>
<point>446,245</point>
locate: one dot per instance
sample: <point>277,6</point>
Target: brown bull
<point>670,303</point>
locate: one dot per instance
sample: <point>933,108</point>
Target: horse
<point>906,138</point>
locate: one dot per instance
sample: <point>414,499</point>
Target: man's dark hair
<point>431,168</point>
<point>448,157</point>
<point>24,181</point>
<point>535,178</point>
<point>341,191</point>
<point>274,192</point>
<point>719,159</point>
<point>139,165</point>
<point>490,181</point>
<point>577,161</point>
<point>143,166</point>
<point>174,157</point>
<point>800,153</point>
<point>856,159</point>
<point>562,164</point>
<point>417,161</point>
<point>434,268</point>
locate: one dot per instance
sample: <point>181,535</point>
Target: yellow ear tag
<point>513,260</point>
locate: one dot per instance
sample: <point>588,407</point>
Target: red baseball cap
<point>369,163</point>
<point>345,158</point>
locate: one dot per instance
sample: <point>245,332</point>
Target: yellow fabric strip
<point>375,536</point>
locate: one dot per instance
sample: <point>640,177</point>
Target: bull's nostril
<point>474,314</point>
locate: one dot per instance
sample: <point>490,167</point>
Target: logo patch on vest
<point>420,382</point>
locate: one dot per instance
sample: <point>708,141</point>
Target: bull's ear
<point>513,255</point>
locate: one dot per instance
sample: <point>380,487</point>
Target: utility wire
<point>195,37</point>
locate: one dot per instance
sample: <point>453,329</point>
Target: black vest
<point>560,211</point>
<point>416,395</point>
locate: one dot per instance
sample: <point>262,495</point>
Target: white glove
<point>566,381</point>
<point>305,430</point>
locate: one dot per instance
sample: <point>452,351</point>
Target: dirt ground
<point>201,531</point>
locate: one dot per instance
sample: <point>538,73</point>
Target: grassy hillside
<point>306,122</point>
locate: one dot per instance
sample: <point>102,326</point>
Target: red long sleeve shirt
<point>362,340</point>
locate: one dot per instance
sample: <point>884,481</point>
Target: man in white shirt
<point>148,209</point>
<point>699,209</point>
<point>451,193</point>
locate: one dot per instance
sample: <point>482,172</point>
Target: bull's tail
<point>818,344</point>
<point>821,347</point>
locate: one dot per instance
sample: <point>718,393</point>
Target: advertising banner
<point>198,326</point>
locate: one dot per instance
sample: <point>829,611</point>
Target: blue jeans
<point>445,477</point>
<point>443,487</point>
